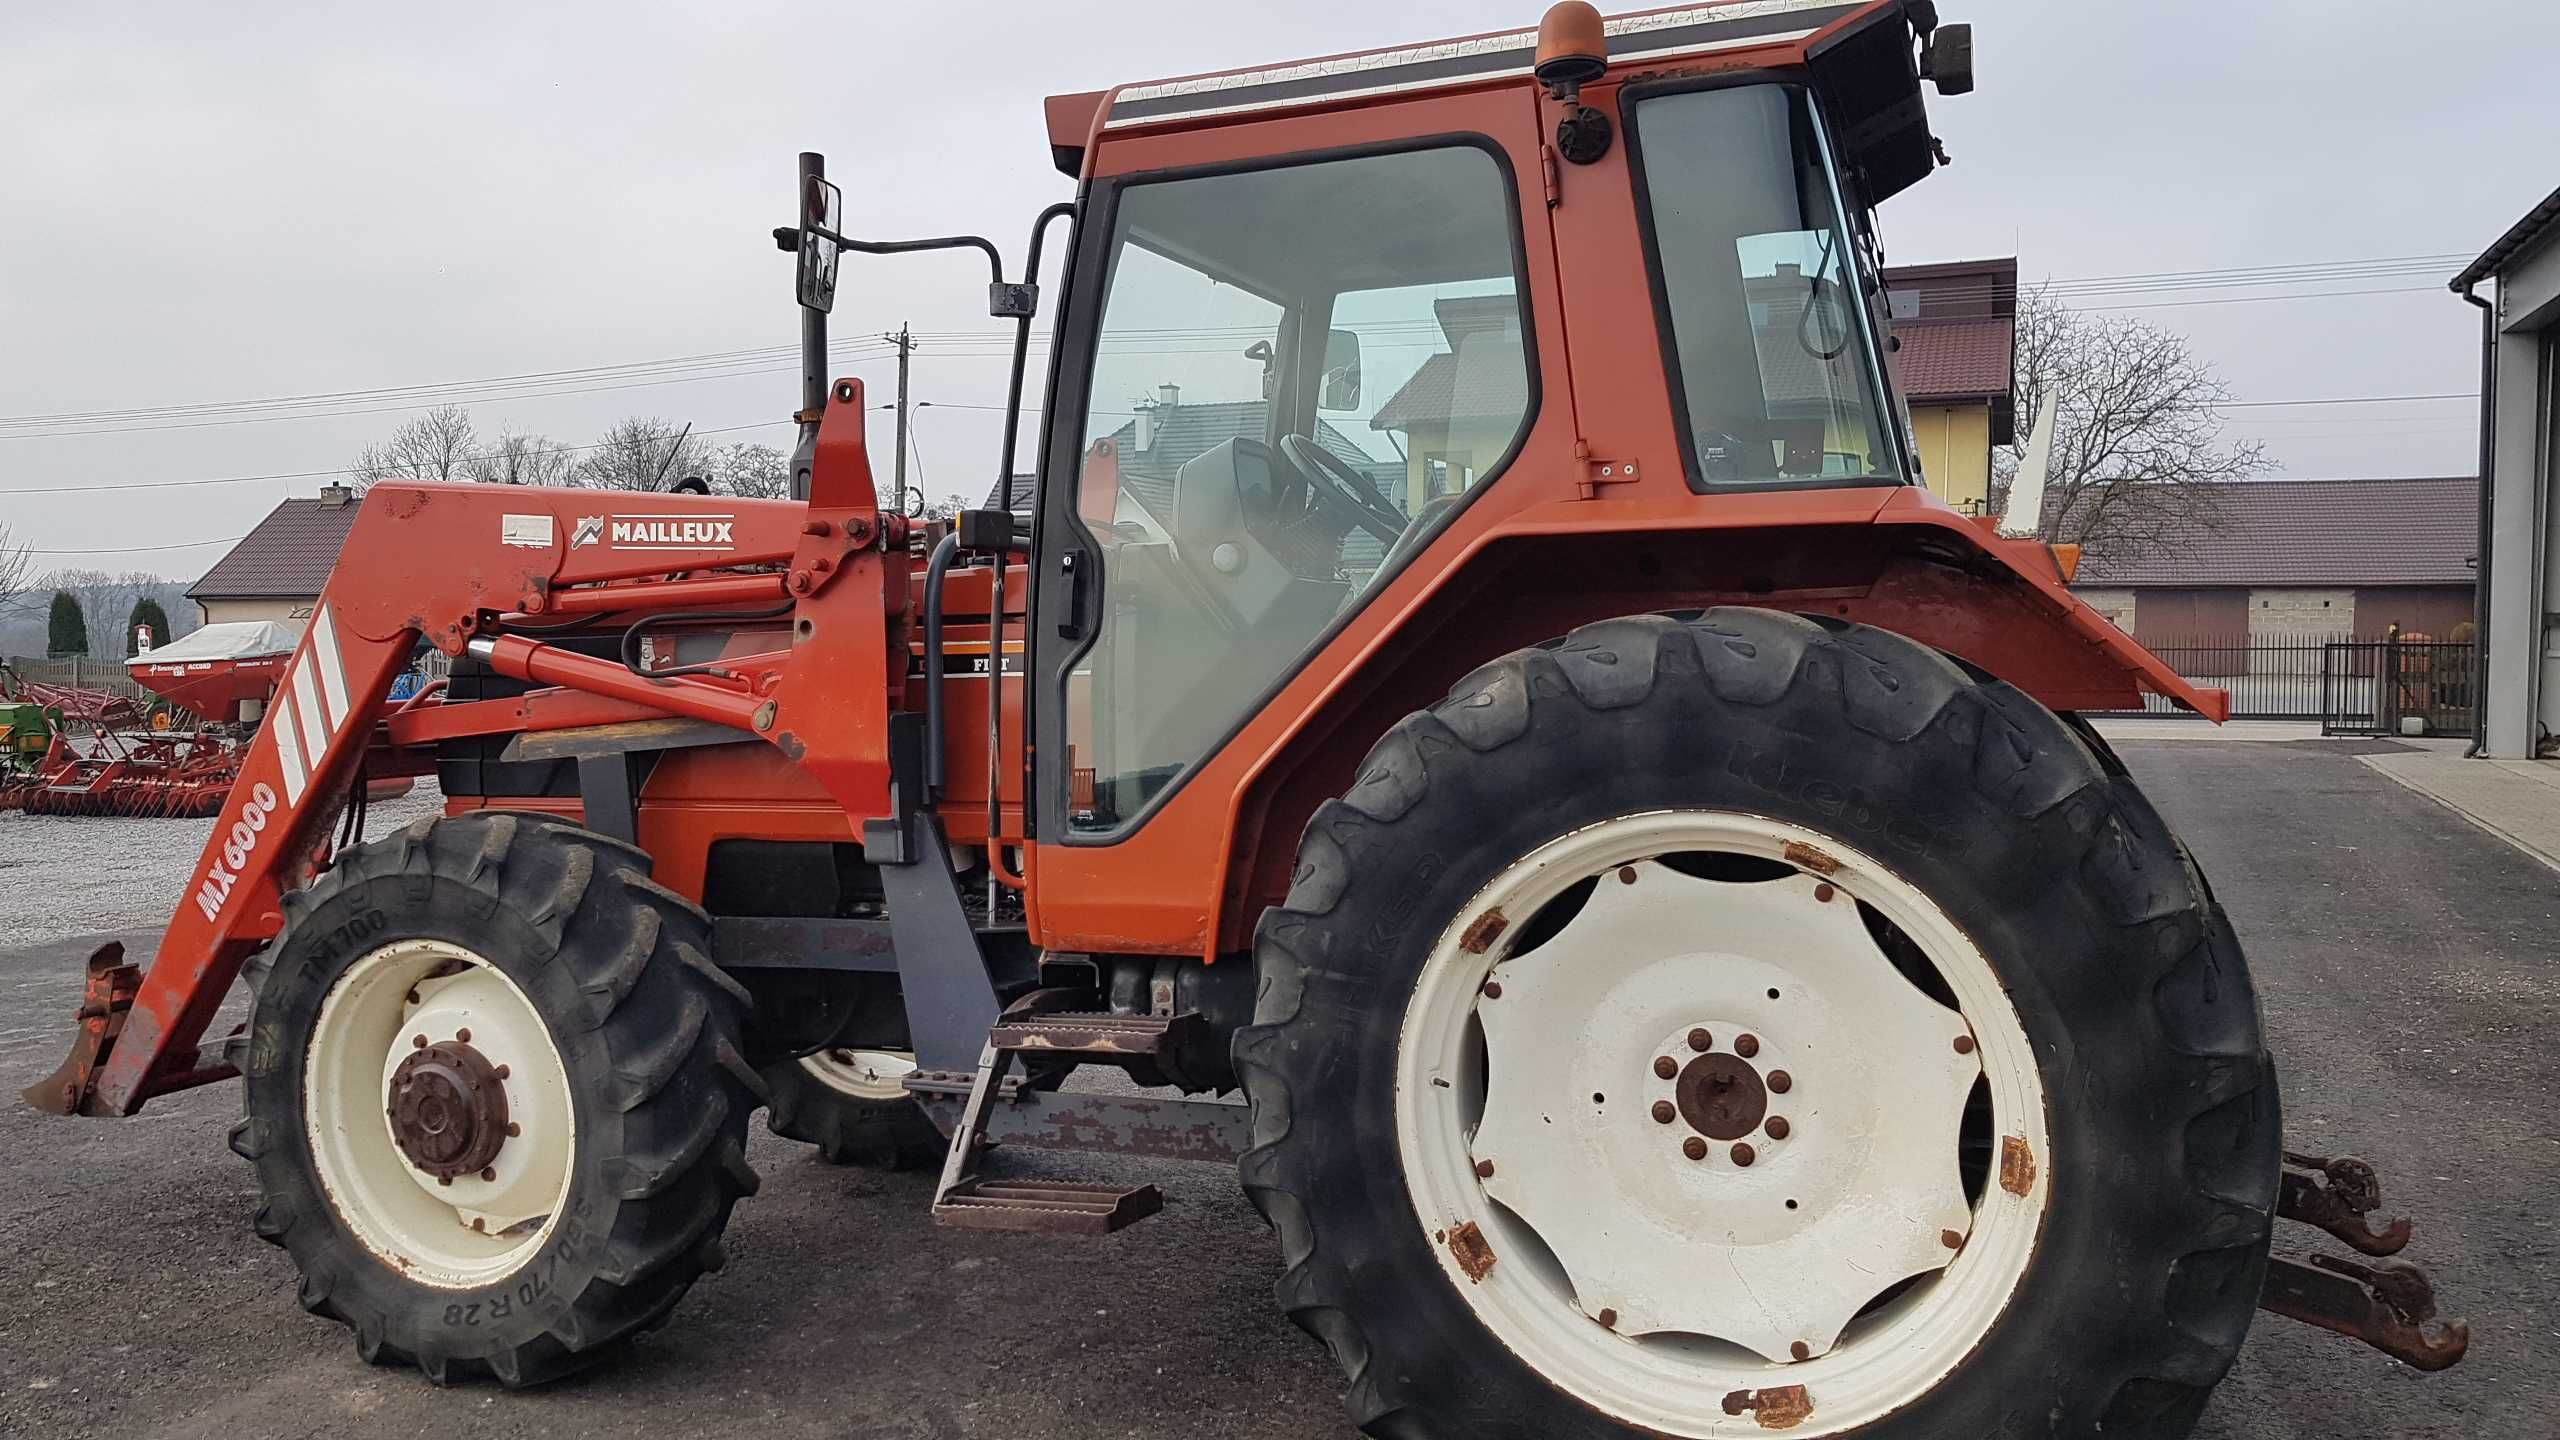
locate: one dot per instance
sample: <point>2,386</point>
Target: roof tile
<point>2320,533</point>
<point>289,555</point>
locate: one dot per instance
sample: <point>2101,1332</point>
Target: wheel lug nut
<point>1823,893</point>
<point>1951,1239</point>
<point>1744,1155</point>
<point>1626,874</point>
<point>1664,1112</point>
<point>1801,1350</point>
<point>489,1174</point>
<point>514,1129</point>
<point>418,1042</point>
<point>1746,1046</point>
<point>1964,1044</point>
<point>1608,1319</point>
<point>1493,989</point>
<point>1701,1041</point>
<point>1777,1127</point>
<point>1665,1066</point>
<point>1484,1169</point>
<point>413,997</point>
<point>1780,1082</point>
<point>1694,1148</point>
<point>501,1072</point>
<point>462,1037</point>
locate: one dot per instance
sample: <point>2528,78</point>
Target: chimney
<point>1146,410</point>
<point>1169,396</point>
<point>333,496</point>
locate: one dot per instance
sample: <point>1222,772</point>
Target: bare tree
<point>641,453</point>
<point>108,597</point>
<point>518,459</point>
<point>753,472</point>
<point>438,445</point>
<point>17,569</point>
<point>2139,458</point>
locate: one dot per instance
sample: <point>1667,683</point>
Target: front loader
<point>1476,670</point>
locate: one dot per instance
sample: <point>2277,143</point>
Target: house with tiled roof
<point>2292,561</point>
<point>277,570</point>
<point>1460,411</point>
<point>1954,355</point>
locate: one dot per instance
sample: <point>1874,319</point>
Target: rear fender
<point>1898,560</point>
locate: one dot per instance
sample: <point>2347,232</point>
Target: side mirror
<point>821,209</point>
<point>1947,59</point>
<point>1341,388</point>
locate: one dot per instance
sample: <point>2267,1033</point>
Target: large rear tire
<point>495,1097</point>
<point>1510,1223</point>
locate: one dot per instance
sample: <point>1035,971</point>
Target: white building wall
<point>2523,696</point>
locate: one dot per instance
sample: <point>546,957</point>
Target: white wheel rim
<point>480,1226</point>
<point>862,1074</point>
<point>1669,1292</point>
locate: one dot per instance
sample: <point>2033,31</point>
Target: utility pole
<point>906,344</point>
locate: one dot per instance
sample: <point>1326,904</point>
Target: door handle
<point>1072,571</point>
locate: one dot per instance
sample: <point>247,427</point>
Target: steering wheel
<point>1341,490</point>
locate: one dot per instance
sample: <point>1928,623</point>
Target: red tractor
<point>1476,671</point>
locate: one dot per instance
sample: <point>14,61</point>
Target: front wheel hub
<point>449,1109</point>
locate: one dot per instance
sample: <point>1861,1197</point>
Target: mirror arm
<point>1022,344</point>
<point>995,261</point>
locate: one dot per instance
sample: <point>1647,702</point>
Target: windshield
<point>1777,382</point>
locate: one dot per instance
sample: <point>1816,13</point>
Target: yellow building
<point>1955,359</point>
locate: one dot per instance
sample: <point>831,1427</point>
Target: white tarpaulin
<point>232,640</point>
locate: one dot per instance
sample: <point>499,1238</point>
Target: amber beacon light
<point>1573,48</point>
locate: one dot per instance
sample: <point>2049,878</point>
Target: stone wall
<point>2293,616</point>
<point>2116,604</point>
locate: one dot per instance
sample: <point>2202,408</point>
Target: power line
<point>726,364</point>
<point>312,474</point>
<point>142,549</point>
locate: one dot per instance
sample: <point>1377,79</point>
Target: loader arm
<point>460,565</point>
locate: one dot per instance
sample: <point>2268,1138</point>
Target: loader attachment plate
<point>2389,1304</point>
<point>104,1003</point>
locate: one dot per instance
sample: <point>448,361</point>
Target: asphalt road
<point>2405,958</point>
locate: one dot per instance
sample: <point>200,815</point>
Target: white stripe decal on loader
<point>333,669</point>
<point>315,725</point>
<point>288,749</point>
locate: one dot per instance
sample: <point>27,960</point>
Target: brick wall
<point>2280,616</point>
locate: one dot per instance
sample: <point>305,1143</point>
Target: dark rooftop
<point>288,557</point>
<point>2524,235</point>
<point>2320,533</point>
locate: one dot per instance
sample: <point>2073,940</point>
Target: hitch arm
<point>2390,1306</point>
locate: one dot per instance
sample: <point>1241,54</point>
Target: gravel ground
<point>2405,959</point>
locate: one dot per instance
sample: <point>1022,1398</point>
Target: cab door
<point>1296,353</point>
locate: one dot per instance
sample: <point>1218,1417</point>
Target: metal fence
<point>2396,687</point>
<point>2351,687</point>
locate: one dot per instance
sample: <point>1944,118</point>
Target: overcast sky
<point>204,203</point>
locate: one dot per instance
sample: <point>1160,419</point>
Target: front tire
<point>851,1104</point>
<point>495,1097</point>
<point>1756,766</point>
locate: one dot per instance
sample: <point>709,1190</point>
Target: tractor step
<point>967,1199</point>
<point>1045,1207</point>
<point>1100,1037</point>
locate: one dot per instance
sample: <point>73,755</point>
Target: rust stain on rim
<point>1487,928</point>
<point>1779,1407</point>
<point>2017,1165</point>
<point>1474,1254</point>
<point>1810,857</point>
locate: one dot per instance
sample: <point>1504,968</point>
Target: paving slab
<point>2516,800</point>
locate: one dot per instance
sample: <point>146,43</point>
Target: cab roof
<point>1644,37</point>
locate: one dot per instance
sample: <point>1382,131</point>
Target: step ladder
<point>1038,1032</point>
